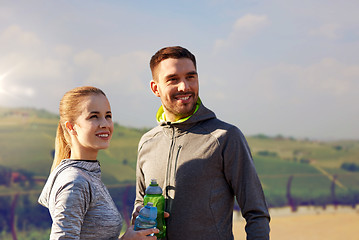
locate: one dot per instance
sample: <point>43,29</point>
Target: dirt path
<point>309,224</point>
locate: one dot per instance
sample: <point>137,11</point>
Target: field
<point>309,224</point>
<point>310,171</point>
<point>27,141</point>
<point>306,225</point>
<point>293,172</point>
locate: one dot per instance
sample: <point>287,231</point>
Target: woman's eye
<point>93,116</point>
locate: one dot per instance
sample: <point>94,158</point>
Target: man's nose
<point>183,85</point>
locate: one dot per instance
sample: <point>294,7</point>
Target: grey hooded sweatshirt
<point>202,165</point>
<point>79,203</point>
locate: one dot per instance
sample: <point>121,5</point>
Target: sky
<point>273,67</point>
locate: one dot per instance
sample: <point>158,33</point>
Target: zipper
<point>168,187</point>
<point>178,151</point>
<point>169,165</point>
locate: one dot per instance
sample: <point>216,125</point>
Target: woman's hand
<point>131,234</point>
<point>137,212</point>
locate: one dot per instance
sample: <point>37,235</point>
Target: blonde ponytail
<point>62,147</point>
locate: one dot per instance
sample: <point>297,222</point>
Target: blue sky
<point>272,67</point>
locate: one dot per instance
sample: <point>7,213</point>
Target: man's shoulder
<point>216,124</point>
<point>150,134</point>
<point>223,131</point>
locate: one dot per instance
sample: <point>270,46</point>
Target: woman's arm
<point>68,207</point>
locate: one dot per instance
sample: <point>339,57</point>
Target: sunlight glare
<point>2,82</point>
<point>2,77</point>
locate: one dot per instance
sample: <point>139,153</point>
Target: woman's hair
<point>69,111</point>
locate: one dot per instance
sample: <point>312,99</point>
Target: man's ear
<point>70,128</point>
<point>154,88</point>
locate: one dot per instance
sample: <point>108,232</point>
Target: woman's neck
<point>88,155</point>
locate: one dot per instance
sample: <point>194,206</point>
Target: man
<point>201,163</point>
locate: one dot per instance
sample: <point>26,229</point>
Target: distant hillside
<point>27,141</point>
<point>11,113</point>
<point>293,172</point>
<point>311,170</point>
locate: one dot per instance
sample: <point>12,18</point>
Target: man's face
<point>177,86</point>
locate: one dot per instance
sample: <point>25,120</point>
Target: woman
<point>79,203</point>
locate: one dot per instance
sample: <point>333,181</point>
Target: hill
<point>293,172</point>
<point>308,172</point>
<point>27,141</point>
<point>288,168</point>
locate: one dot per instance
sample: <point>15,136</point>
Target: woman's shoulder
<point>73,178</point>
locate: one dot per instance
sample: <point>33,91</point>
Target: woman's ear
<point>70,128</point>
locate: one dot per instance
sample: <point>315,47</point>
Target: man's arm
<point>140,188</point>
<point>241,174</point>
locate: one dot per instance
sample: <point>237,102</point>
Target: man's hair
<point>175,52</point>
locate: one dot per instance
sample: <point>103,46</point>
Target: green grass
<point>31,234</point>
<point>27,140</point>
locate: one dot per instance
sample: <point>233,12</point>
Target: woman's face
<point>93,128</point>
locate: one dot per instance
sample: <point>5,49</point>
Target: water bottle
<point>146,218</point>
<point>154,195</point>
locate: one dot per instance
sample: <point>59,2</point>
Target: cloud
<point>14,36</point>
<point>317,100</point>
<point>329,31</point>
<point>45,71</point>
<point>63,50</point>
<point>88,58</point>
<point>125,71</point>
<point>243,29</point>
<point>269,63</point>
<point>332,77</point>
<point>328,77</point>
<point>10,91</point>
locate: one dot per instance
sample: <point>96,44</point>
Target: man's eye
<point>108,116</point>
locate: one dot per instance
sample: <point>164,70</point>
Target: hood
<point>93,167</point>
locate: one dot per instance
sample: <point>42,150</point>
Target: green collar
<point>161,117</point>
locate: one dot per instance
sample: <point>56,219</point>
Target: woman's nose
<point>104,123</point>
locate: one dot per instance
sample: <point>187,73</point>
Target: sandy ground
<point>308,224</point>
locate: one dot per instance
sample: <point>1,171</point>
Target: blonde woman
<point>79,203</point>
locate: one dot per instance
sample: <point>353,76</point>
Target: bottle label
<point>159,202</point>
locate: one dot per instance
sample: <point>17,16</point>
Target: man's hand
<point>135,214</point>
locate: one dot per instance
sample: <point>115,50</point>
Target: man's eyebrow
<point>171,76</point>
<point>192,73</point>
